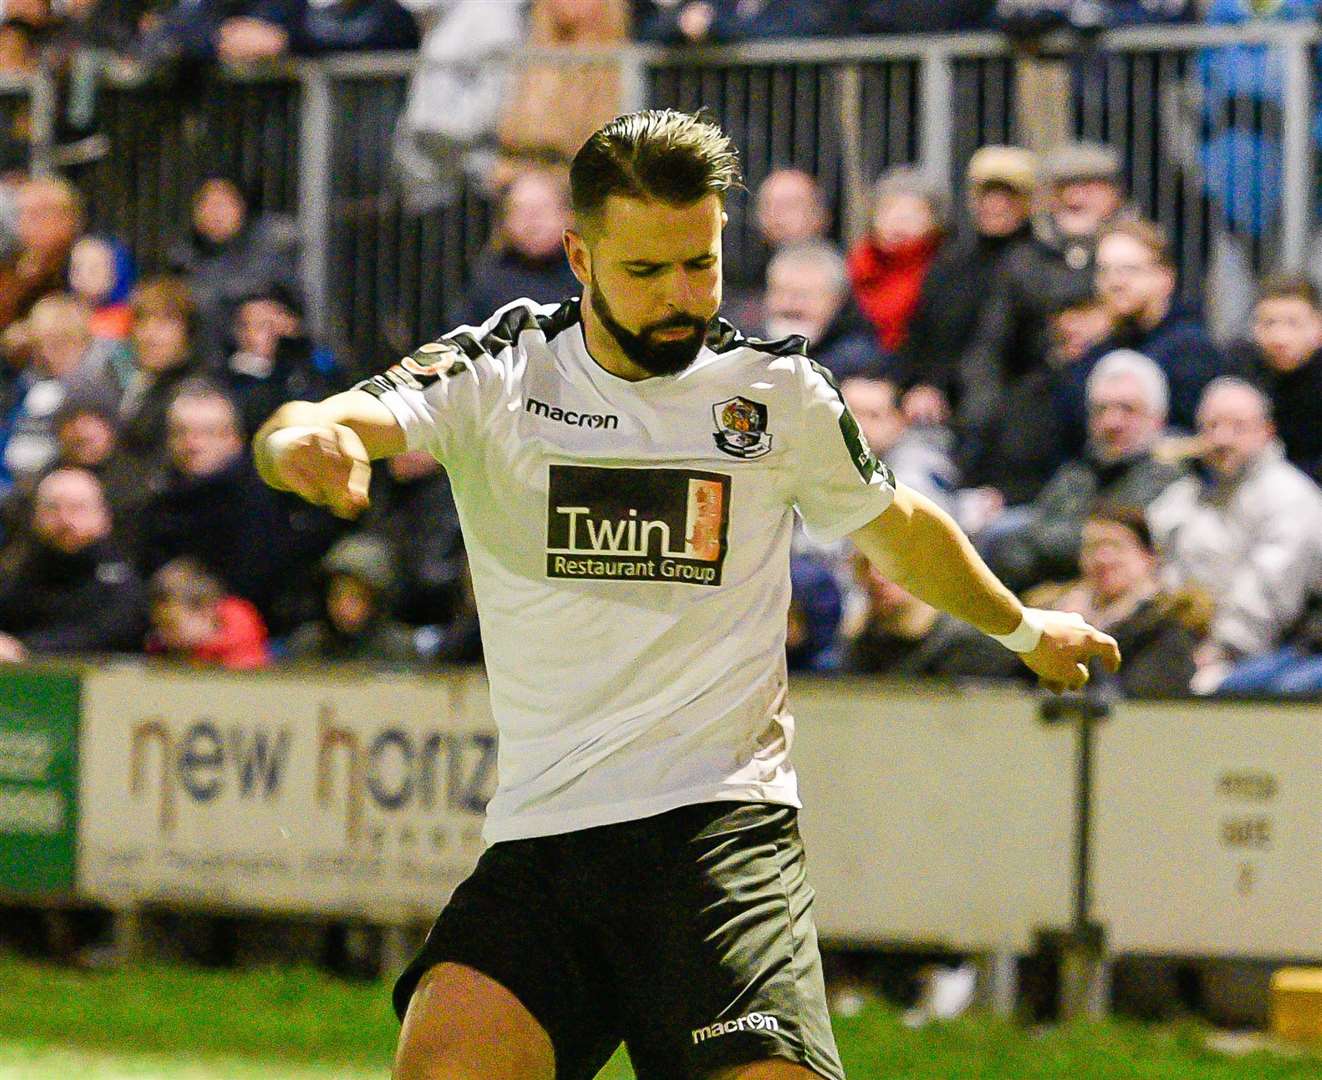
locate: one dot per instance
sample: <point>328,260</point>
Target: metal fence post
<point>856,211</point>
<point>1084,966</point>
<point>1298,188</point>
<point>43,101</point>
<point>936,126</point>
<point>316,150</point>
<point>633,80</point>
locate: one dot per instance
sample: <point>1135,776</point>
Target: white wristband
<point>1024,637</point>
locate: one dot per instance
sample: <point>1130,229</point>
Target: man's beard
<point>654,357</point>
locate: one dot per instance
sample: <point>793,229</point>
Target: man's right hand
<point>328,466</point>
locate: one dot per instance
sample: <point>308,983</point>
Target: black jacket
<point>1158,650</point>
<point>91,602</point>
<point>954,294</point>
<point>301,372</point>
<point>142,430</point>
<point>848,347</point>
<point>1012,338</point>
<point>1296,398</point>
<point>263,253</point>
<point>419,520</point>
<point>352,26</point>
<point>502,276</point>
<point>951,649</point>
<point>1178,344</point>
<point>229,520</point>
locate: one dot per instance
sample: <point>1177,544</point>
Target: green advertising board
<point>38,781</point>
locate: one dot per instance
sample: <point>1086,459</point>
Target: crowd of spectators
<point>1032,368</point>
<point>238,31</point>
<point>1024,358</point>
<point>131,518</point>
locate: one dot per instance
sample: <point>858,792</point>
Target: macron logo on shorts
<point>751,1022</point>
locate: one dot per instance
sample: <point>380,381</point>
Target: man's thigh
<point>462,1025</point>
<point>715,949</point>
<point>509,934</point>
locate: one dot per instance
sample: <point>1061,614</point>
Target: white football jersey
<point>629,546</point>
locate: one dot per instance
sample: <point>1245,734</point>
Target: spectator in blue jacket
<point>696,22</point>
<point>274,360</point>
<point>230,30</point>
<point>916,16</point>
<point>1243,91</point>
<point>814,616</point>
<point>239,31</point>
<point>1136,281</point>
<point>1028,18</point>
<point>352,26</point>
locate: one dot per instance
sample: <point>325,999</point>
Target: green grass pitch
<point>168,1023</point>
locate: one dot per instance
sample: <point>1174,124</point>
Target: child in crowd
<point>195,620</point>
<point>102,275</point>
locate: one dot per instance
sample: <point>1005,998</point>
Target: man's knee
<point>462,1025</point>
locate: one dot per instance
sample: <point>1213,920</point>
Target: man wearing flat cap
<point>1000,183</point>
<point>1004,372</point>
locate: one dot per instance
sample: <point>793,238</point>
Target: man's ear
<point>580,259</point>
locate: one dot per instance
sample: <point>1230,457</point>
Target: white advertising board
<point>317,793</point>
<point>933,816</point>
<point>1208,829</point>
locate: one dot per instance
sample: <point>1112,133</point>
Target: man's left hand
<point>1060,660</point>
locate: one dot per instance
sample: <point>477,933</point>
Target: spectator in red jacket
<point>887,267</point>
<point>194,620</point>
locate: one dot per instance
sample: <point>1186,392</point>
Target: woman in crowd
<point>1119,592</point>
<point>163,359</point>
<point>888,266</point>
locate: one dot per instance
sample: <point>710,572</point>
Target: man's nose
<point>683,289</point>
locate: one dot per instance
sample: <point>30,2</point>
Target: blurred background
<point>1063,257</point>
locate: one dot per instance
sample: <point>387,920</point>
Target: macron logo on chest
<point>605,421</point>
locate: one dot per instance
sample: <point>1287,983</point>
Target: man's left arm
<point>917,545</point>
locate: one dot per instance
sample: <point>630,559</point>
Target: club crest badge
<point>741,427</point>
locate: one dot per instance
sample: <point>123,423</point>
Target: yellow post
<point>1296,1004</point>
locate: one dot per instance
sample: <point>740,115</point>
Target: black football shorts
<point>688,936</point>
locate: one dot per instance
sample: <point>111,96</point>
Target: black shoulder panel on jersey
<point>468,344</point>
<point>722,337</point>
<point>508,328</point>
<point>561,319</point>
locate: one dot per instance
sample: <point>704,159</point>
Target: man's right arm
<point>322,451</point>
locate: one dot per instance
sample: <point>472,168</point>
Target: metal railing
<point>314,139</point>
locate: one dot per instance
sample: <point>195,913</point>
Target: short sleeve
<point>839,484</point>
<point>434,393</point>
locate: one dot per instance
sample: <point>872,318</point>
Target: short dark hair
<point>1290,287</point>
<point>202,388</point>
<point>1127,517</point>
<point>662,154</point>
<point>187,580</point>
